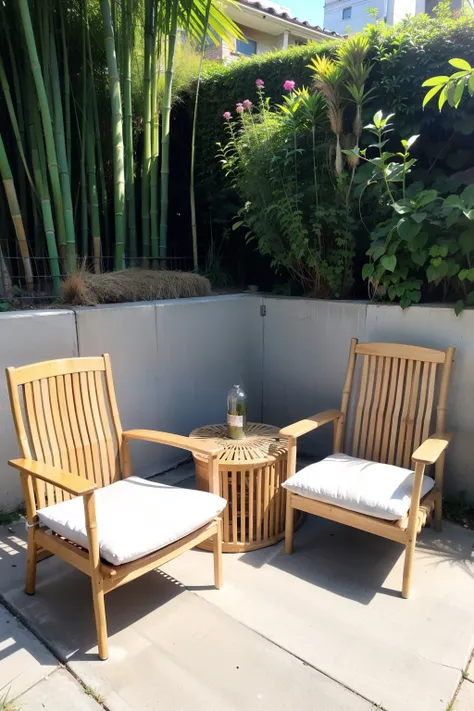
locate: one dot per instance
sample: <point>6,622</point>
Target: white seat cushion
<point>380,490</point>
<point>134,517</point>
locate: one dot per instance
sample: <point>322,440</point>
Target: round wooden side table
<point>251,472</point>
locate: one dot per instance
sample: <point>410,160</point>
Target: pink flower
<point>260,83</point>
<point>227,115</point>
<point>289,85</point>
<point>247,104</point>
<point>239,108</point>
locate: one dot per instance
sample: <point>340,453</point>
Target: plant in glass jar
<point>236,412</point>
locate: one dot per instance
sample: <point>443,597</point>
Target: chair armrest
<point>72,483</point>
<point>432,448</point>
<point>311,423</point>
<point>198,446</point>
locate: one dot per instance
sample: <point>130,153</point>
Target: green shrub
<point>402,57</point>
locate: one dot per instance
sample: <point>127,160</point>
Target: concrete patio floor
<point>324,629</point>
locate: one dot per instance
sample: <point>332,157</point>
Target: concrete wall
<point>174,361</point>
<point>306,346</point>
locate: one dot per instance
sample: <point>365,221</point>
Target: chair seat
<point>370,488</point>
<point>135,517</point>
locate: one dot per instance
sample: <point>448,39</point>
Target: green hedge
<point>403,57</point>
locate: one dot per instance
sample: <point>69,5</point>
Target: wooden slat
<point>226,513</point>
<point>43,435</point>
<point>266,500</point>
<point>113,468</point>
<point>284,476</point>
<point>339,425</point>
<point>60,435</point>
<point>404,416</point>
<point>271,522</point>
<point>91,430</point>
<point>63,410</point>
<point>243,495</point>
<point>35,440</point>
<point>399,350</point>
<point>51,432</point>
<point>421,406</point>
<point>63,457</point>
<point>374,410</point>
<point>412,409</point>
<point>387,419</point>
<point>79,409</point>
<point>73,422</point>
<point>429,403</point>
<point>278,470</point>
<point>114,413</point>
<point>251,505</point>
<point>367,406</point>
<point>360,407</point>
<point>381,413</point>
<point>396,413</point>
<point>234,507</point>
<point>104,463</point>
<point>258,522</point>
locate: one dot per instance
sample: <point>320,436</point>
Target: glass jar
<point>236,412</point>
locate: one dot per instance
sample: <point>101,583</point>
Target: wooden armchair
<point>82,502</point>
<point>372,489</point>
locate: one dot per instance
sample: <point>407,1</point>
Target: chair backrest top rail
<point>53,368</point>
<point>398,350</point>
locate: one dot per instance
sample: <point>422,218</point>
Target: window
<point>347,13</point>
<point>248,48</point>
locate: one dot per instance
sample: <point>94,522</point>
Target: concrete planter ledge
<point>186,353</point>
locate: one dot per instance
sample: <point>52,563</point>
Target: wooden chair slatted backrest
<point>66,415</point>
<point>395,402</point>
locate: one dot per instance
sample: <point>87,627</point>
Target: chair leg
<point>289,524</point>
<point>31,561</point>
<point>98,599</point>
<point>408,566</point>
<point>438,513</point>
<point>218,555</point>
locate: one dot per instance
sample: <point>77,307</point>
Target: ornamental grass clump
<point>86,289</point>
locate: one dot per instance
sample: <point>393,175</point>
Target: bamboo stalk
<point>15,212</point>
<point>41,182</point>
<point>192,195</point>
<point>117,133</point>
<point>71,261</point>
<point>6,286</point>
<point>154,232</point>
<point>98,141</point>
<point>67,89</point>
<point>46,122</point>
<point>128,135</point>
<point>20,112</point>
<point>93,198</point>
<point>19,135</point>
<point>84,225</point>
<point>165,134</point>
<point>146,159</point>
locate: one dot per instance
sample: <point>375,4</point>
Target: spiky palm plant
<point>329,79</point>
